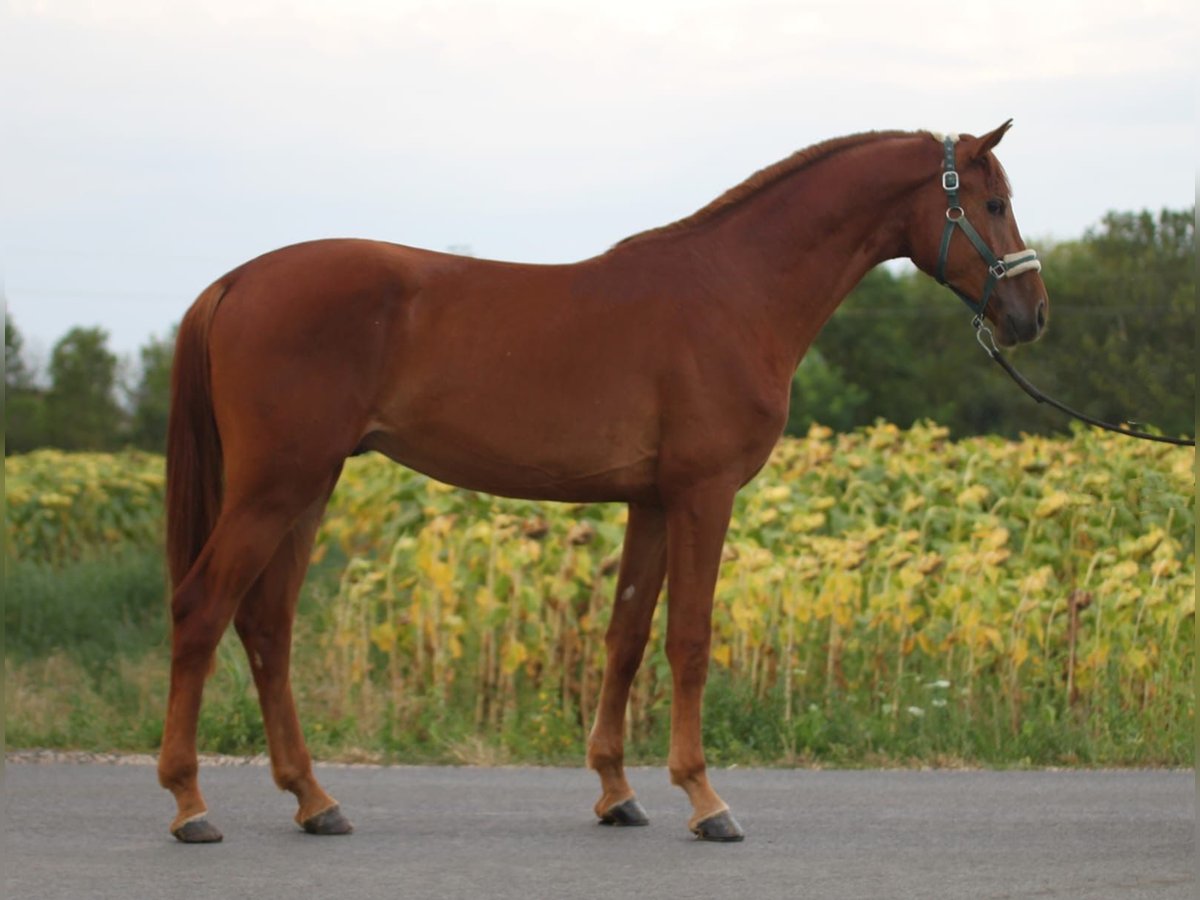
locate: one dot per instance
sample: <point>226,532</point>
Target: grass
<point>123,710</point>
<point>101,608</point>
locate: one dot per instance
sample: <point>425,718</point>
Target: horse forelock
<point>766,177</point>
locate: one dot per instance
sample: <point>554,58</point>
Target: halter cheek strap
<point>1008,266</point>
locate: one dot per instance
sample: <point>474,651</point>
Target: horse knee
<point>624,658</point>
<point>688,659</point>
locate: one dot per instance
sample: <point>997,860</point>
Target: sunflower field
<point>886,595</point>
<point>60,506</point>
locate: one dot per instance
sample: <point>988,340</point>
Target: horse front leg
<point>643,566</point>
<point>696,525</point>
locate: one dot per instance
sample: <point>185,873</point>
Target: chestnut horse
<point>656,374</point>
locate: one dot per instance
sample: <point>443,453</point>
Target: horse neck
<point>808,239</point>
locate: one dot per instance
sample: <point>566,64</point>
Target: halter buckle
<point>999,270</point>
<point>950,181</point>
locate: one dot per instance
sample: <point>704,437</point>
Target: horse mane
<point>802,159</point>
<point>766,177</point>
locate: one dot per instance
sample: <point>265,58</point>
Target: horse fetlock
<point>688,652</point>
<point>177,776</point>
<point>292,778</point>
<point>688,771</point>
<point>604,755</point>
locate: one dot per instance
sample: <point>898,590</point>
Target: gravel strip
<point>41,757</point>
<point>87,757</point>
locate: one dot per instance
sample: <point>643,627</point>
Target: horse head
<point>988,265</point>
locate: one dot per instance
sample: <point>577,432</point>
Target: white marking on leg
<point>628,593</point>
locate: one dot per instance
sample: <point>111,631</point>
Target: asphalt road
<point>90,832</point>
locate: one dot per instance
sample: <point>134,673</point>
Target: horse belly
<point>548,461</point>
<point>562,428</point>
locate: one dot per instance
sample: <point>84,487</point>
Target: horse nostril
<point>1041,314</point>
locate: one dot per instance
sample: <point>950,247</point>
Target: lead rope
<point>983,334</point>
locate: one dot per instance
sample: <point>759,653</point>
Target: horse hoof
<point>330,821</point>
<point>628,813</point>
<point>197,831</point>
<point>721,827</point>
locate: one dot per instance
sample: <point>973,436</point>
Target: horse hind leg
<point>639,582</point>
<point>264,624</point>
<point>251,526</point>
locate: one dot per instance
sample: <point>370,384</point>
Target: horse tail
<point>194,457</point>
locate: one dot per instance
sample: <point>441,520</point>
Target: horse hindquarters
<point>222,538</point>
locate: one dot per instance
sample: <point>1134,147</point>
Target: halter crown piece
<point>1012,264</point>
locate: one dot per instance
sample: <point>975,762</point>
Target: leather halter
<point>999,268</point>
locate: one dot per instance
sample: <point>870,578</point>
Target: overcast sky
<point>150,146</point>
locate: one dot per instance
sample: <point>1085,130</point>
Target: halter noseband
<point>1010,265</point>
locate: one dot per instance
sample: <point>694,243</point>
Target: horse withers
<point>656,374</point>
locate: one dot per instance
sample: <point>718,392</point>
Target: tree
<point>1123,305</point>
<point>81,407</point>
<point>821,395</point>
<point>24,403</point>
<point>151,397</point>
<point>16,373</point>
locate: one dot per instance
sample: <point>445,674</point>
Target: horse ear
<point>985,144</point>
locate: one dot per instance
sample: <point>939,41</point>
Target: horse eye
<point>996,207</point>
